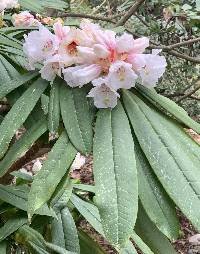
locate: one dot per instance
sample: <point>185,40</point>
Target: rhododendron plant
<point>92,54</point>
<point>87,134</point>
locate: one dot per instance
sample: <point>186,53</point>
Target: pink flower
<point>24,19</point>
<point>60,30</point>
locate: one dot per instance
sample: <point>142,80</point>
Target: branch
<point>191,92</point>
<point>130,12</point>
<point>183,43</point>
<point>195,97</point>
<point>86,16</point>
<point>141,20</point>
<point>175,53</point>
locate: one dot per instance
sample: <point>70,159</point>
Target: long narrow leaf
<point>115,175</point>
<point>54,108</point>
<point>170,106</point>
<point>19,112</point>
<point>64,232</point>
<point>158,243</point>
<point>77,118</point>
<point>176,167</point>
<point>155,200</point>
<point>59,160</point>
<point>21,146</point>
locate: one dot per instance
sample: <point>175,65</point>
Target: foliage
<point>145,163</point>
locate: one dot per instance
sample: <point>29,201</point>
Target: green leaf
<point>37,249</point>
<point>3,247</point>
<point>40,7</point>
<point>7,70</point>
<point>128,249</point>
<point>5,207</point>
<point>158,243</point>
<point>54,108</point>
<point>64,232</point>
<point>84,187</point>
<point>77,119</point>
<point>18,196</point>
<point>198,5</point>
<point>154,199</point>
<point>62,193</point>
<point>115,175</point>
<point>22,176</point>
<point>12,225</point>
<point>45,103</point>
<point>175,163</point>
<point>89,212</point>
<point>10,85</point>
<point>9,41</point>
<point>21,146</point>
<point>19,112</point>
<point>45,182</point>
<point>170,106</point>
<point>58,249</point>
<point>88,245</point>
<point>141,245</point>
<point>26,235</point>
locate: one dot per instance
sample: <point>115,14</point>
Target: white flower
<point>104,96</point>
<point>40,44</point>
<point>7,4</point>
<point>81,75</point>
<point>153,69</point>
<point>10,3</point>
<point>2,5</point>
<point>125,43</point>
<point>52,67</point>
<point>121,75</point>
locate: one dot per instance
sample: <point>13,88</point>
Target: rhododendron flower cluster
<point>92,54</point>
<point>7,4</point>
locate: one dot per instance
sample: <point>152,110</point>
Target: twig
<point>183,43</point>
<point>190,93</point>
<point>195,97</point>
<point>87,16</point>
<point>99,7</point>
<point>130,12</point>
<point>142,20</point>
<point>175,53</point>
